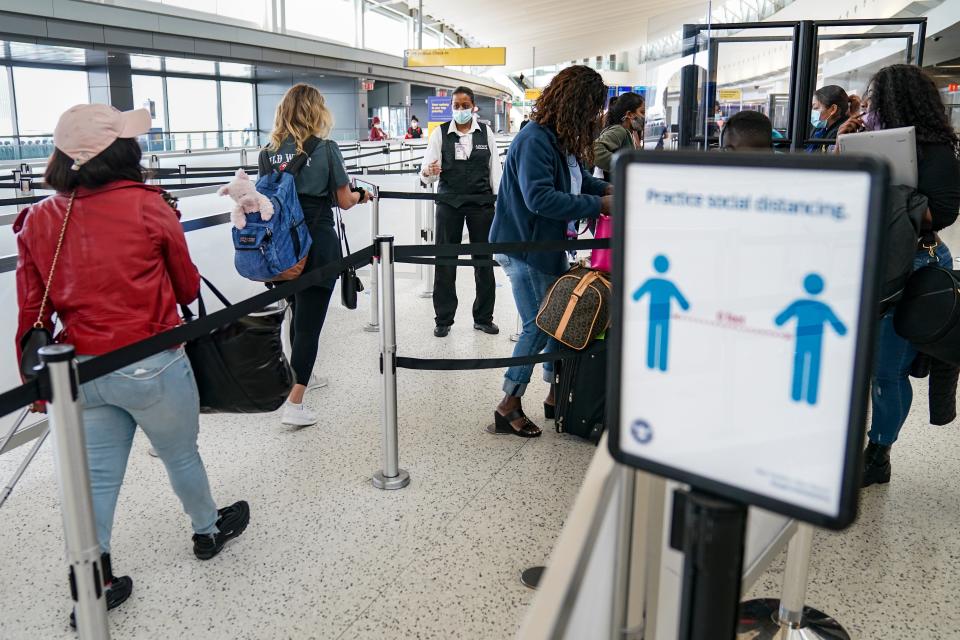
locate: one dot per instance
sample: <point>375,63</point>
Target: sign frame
<point>866,323</point>
<point>455,57</point>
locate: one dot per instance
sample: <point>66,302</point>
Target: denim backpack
<point>276,249</point>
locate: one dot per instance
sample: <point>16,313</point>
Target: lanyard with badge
<point>460,151</point>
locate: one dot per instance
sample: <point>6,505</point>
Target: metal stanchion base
<point>426,294</point>
<point>514,337</point>
<point>381,481</point>
<point>530,578</point>
<point>371,328</point>
<point>759,621</point>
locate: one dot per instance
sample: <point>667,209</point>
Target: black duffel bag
<point>241,367</point>
<point>928,314</point>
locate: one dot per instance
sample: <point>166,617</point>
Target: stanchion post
<point>243,157</point>
<point>76,500</point>
<point>788,618</point>
<point>391,476</point>
<point>374,325</point>
<point>427,236</point>
<point>25,187</point>
<point>152,164</point>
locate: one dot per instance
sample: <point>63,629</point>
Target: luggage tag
<point>460,151</point>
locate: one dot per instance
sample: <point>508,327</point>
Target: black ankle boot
<point>876,464</point>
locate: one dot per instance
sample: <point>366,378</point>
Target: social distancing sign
<point>744,288</point>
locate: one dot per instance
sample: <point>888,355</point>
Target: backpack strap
<point>294,166</point>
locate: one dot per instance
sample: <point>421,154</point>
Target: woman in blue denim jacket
<point>904,96</point>
<point>544,186</point>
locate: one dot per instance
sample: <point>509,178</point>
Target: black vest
<point>471,176</point>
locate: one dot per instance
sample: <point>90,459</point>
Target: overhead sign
<point>367,85</point>
<point>953,87</point>
<point>730,95</point>
<point>532,94</point>
<point>456,57</point>
<point>439,108</point>
<point>746,311</point>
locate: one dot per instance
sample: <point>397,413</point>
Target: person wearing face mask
<point>462,154</point>
<point>623,129</point>
<point>414,132</point>
<point>830,108</point>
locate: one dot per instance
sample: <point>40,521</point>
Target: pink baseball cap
<point>85,130</point>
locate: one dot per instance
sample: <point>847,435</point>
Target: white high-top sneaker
<point>297,415</point>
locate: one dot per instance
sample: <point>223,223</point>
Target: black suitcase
<point>581,392</point>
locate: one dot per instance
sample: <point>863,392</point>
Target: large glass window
<point>236,104</point>
<point>43,94</point>
<point>188,65</point>
<point>6,107</point>
<point>148,94</point>
<point>248,10</point>
<point>383,32</point>
<point>330,19</point>
<point>193,113</point>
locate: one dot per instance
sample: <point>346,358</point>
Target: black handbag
<point>928,315</point>
<point>241,367</point>
<point>38,336</point>
<point>350,283</point>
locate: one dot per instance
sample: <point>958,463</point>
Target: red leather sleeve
<point>183,273</point>
<point>30,286</point>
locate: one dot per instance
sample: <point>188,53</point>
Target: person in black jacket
<point>904,96</point>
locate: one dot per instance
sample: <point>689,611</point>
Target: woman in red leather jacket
<point>115,257</point>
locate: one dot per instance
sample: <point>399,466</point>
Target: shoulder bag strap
<point>53,265</point>
<point>335,204</point>
<point>294,166</point>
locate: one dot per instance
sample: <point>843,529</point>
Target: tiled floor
<point>327,555</point>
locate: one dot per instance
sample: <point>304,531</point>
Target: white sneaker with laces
<point>297,415</point>
<point>317,382</point>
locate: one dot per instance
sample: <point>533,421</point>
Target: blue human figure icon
<point>812,315</point>
<point>662,294</point>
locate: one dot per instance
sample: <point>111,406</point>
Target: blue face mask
<point>815,119</point>
<point>462,116</point>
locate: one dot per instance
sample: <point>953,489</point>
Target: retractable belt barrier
<point>102,365</point>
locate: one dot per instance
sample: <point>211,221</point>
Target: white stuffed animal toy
<point>246,199</point>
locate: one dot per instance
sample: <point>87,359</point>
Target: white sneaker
<point>317,382</point>
<point>297,415</point>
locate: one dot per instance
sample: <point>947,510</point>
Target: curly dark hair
<point>625,103</point>
<point>572,105</point>
<point>903,95</point>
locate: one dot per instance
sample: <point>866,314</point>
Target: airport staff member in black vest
<point>463,155</point>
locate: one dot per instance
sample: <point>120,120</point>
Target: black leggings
<point>309,311</point>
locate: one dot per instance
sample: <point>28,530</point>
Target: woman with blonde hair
<point>302,125</point>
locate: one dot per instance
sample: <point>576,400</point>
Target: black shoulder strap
<point>294,166</point>
<point>332,187</point>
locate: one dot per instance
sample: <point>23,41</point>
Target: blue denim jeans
<point>529,288</point>
<point>890,390</point>
<point>160,394</point>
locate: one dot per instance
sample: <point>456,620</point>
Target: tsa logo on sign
<point>641,431</point>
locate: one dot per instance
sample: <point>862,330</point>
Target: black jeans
<point>450,221</point>
<point>310,305</point>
